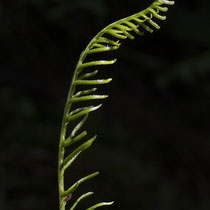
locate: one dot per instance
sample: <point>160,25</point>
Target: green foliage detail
<point>138,23</point>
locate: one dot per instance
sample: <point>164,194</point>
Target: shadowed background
<point>153,145</point>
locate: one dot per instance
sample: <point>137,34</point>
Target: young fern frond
<point>138,23</point>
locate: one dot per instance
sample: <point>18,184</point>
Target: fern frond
<point>106,40</point>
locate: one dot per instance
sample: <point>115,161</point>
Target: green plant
<point>100,43</point>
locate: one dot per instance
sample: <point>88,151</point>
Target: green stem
<point>61,150</point>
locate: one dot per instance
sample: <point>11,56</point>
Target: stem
<point>61,150</point>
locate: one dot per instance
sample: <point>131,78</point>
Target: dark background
<point>153,145</point>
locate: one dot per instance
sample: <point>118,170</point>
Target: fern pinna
<point>138,23</point>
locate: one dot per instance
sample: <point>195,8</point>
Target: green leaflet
<point>81,113</point>
<point>92,82</point>
<point>76,185</point>
<point>84,76</point>
<point>84,146</point>
<point>100,205</point>
<point>81,198</point>
<point>87,98</point>
<point>78,126</point>
<point>85,92</point>
<point>95,63</point>
<point>106,40</point>
<point>70,141</point>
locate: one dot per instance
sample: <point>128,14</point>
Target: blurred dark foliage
<point>153,146</point>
